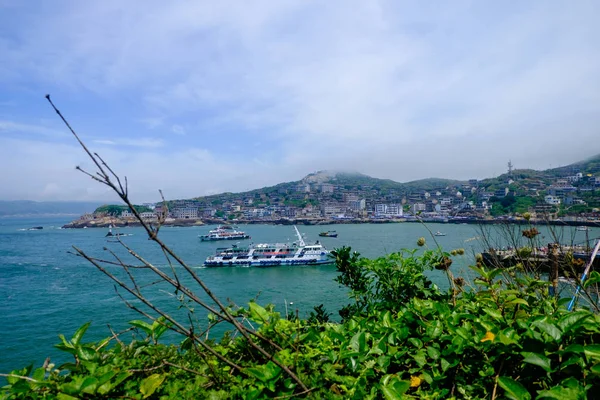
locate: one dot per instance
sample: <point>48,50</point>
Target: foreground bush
<point>400,337</point>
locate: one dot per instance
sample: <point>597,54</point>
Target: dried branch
<point>104,177</point>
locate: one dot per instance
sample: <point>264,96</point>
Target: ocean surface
<point>45,290</point>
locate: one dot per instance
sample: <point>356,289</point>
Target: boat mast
<point>300,240</point>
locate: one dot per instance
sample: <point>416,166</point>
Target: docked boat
<point>328,234</point>
<point>224,232</point>
<point>438,233</point>
<point>270,255</point>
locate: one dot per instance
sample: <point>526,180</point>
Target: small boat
<point>224,232</point>
<point>582,228</point>
<point>271,255</point>
<point>328,234</point>
<point>36,228</point>
<point>438,233</point>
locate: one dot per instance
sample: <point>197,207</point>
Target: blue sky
<point>200,97</point>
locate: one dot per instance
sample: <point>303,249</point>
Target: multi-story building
<point>418,207</point>
<point>326,188</point>
<point>185,212</point>
<point>331,209</point>
<point>148,215</point>
<point>348,197</point>
<point>289,212</point>
<point>357,205</point>
<point>208,212</point>
<point>303,188</point>
<point>126,214</point>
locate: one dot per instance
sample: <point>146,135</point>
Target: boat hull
<point>267,263</point>
<point>216,239</point>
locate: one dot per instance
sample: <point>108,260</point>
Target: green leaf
<point>258,313</point>
<point>79,333</point>
<point>549,329</point>
<point>89,385</point>
<point>387,319</point>
<point>593,279</point>
<point>573,348</point>
<point>517,301</point>
<point>379,348</point>
<point>394,389</point>
<point>562,393</point>
<point>416,342</point>
<point>420,358</point>
<point>592,351</point>
<point>435,329</point>
<point>108,386</point>
<point>39,374</point>
<point>573,320</point>
<point>143,325</point>
<point>265,373</point>
<point>159,327</point>
<point>514,390</point>
<point>150,384</point>
<point>497,315</point>
<point>358,342</point>
<point>65,345</point>
<point>64,396</point>
<point>106,377</point>
<point>537,359</point>
<point>433,352</point>
<point>86,353</point>
<point>445,365</point>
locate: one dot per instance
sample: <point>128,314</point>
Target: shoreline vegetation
<point>106,222</point>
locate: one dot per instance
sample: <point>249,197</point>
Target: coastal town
<point>569,195</point>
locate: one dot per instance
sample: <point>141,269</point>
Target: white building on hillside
<point>553,200</point>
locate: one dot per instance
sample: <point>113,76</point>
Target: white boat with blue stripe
<point>271,255</point>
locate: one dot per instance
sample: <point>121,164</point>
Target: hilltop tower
<point>510,168</point>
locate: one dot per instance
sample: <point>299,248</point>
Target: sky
<point>202,97</point>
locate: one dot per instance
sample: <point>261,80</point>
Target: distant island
<point>568,195</point>
<point>28,208</point>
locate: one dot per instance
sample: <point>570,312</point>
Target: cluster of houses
<point>329,201</point>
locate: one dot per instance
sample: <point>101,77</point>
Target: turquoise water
<point>45,291</point>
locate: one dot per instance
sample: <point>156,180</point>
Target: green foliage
<point>401,337</point>
<point>511,204</point>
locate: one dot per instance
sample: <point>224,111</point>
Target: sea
<point>47,290</point>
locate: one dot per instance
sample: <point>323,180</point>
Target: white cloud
<point>178,129</point>
<point>16,127</point>
<point>394,89</point>
<point>137,142</point>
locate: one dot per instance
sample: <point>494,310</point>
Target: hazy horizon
<point>203,98</point>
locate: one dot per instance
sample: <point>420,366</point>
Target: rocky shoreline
<point>106,222</point>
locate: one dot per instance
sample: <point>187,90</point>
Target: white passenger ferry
<point>224,232</point>
<point>269,255</point>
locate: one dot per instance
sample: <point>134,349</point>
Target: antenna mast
<point>300,240</point>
